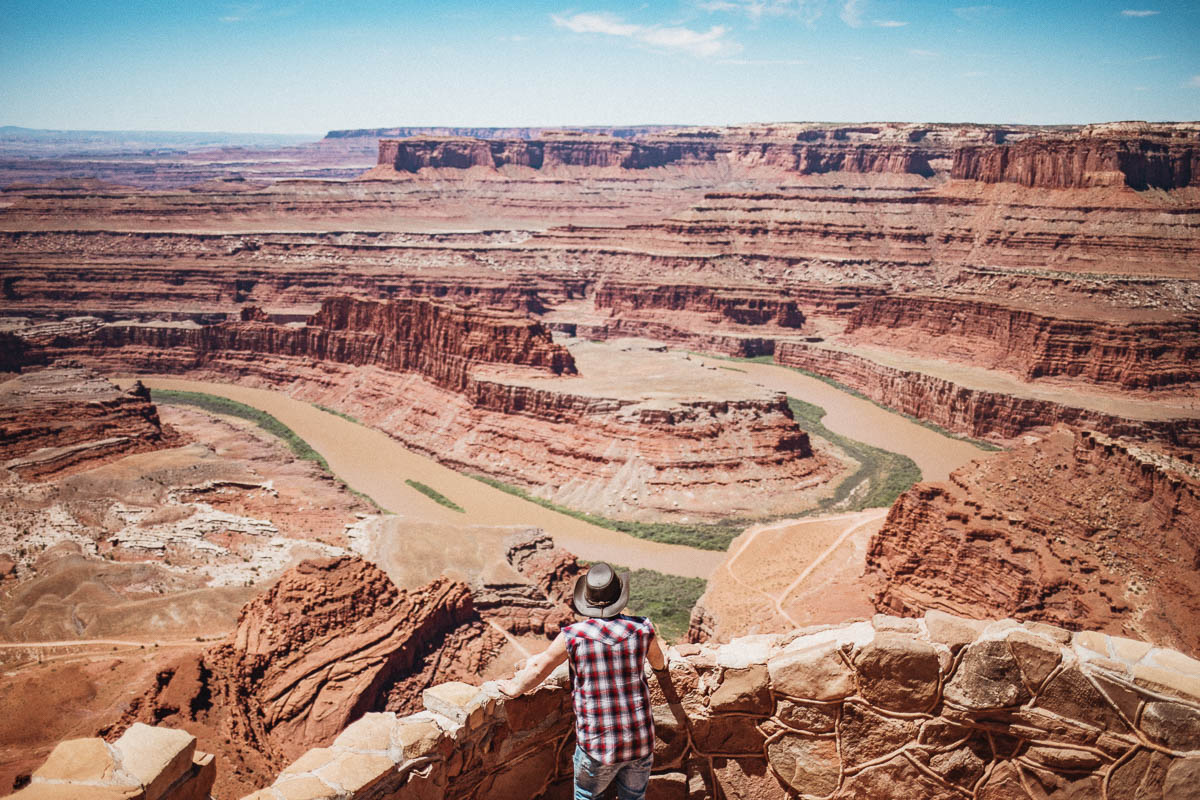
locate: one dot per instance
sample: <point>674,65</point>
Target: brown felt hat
<point>602,592</point>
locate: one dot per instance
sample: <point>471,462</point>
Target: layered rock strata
<point>1156,161</point>
<point>490,392</point>
<point>1076,528</point>
<point>975,412</point>
<point>939,706</point>
<point>1152,156</point>
<point>1159,350</point>
<point>802,148</point>
<point>55,420</point>
<point>330,640</point>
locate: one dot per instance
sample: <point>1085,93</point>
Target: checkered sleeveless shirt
<point>613,722</point>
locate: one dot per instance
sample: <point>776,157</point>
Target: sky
<point>308,66</point>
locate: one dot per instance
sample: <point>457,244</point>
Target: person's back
<point>613,722</point>
<point>614,727</point>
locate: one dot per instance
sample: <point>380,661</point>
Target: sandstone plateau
<point>55,420</point>
<point>333,639</point>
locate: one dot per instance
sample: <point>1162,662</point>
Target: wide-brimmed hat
<point>602,592</point>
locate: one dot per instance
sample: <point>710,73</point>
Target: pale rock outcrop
<point>144,763</point>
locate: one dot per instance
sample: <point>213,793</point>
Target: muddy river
<point>377,465</point>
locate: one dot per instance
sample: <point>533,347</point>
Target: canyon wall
<point>975,412</point>
<point>1141,163</point>
<point>936,707</point>
<point>746,306</point>
<point>1134,354</point>
<point>440,342</point>
<point>453,397</point>
<point>1152,156</point>
<point>647,152</point>
<point>1075,528</point>
<point>66,418</point>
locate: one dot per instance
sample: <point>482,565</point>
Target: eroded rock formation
<point>490,392</point>
<point>799,148</point>
<point>329,641</point>
<point>976,411</point>
<point>1073,528</point>
<point>1158,158</point>
<point>55,420</point>
<point>1150,350</point>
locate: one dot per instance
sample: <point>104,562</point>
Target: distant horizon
<point>322,135</point>
<point>294,67</point>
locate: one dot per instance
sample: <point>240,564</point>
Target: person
<point>614,728</point>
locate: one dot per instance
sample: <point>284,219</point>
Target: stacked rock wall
<point>939,707</point>
<point>145,763</point>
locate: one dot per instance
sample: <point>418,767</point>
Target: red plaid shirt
<point>613,722</point>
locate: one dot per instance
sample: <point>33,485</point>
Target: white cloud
<point>922,53</point>
<point>1138,12</point>
<point>699,43</point>
<point>255,12</point>
<point>888,23</point>
<point>852,13</point>
<point>596,23</point>
<point>809,10</point>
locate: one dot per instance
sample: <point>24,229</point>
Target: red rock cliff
<point>438,341</point>
<point>56,419</point>
<point>1141,163</point>
<point>742,306</point>
<point>1138,354</point>
<point>975,412</point>
<point>903,149</point>
<point>435,339</point>
<point>324,645</point>
<point>1075,528</point>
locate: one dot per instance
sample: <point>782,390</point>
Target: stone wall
<point>145,763</point>
<point>938,707</point>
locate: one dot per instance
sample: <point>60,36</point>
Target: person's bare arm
<point>655,655</point>
<point>536,669</point>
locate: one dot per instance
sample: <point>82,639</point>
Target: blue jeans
<point>593,777</point>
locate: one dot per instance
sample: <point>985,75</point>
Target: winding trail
<point>746,546</point>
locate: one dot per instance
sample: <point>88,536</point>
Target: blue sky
<point>306,66</point>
